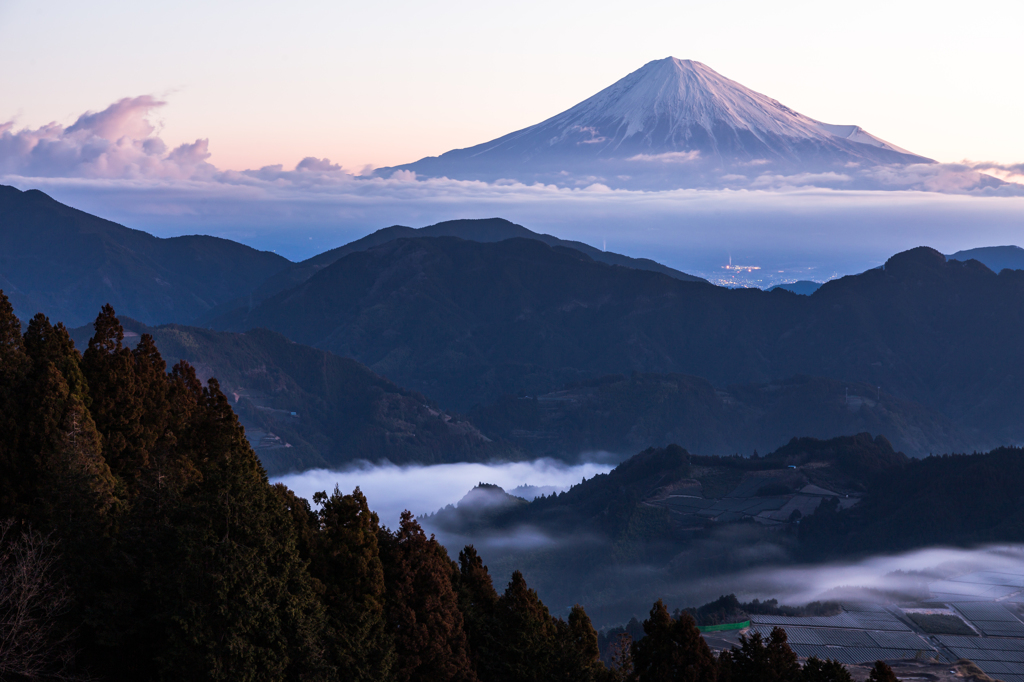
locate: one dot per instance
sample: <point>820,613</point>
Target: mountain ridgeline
<point>483,339</point>
<point>67,263</point>
<point>481,230</point>
<point>473,324</point>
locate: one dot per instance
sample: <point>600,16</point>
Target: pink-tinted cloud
<point>311,163</point>
<point>118,142</point>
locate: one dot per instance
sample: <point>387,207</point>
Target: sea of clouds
<point>113,163</point>
<point>391,489</point>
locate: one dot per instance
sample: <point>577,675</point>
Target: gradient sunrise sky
<point>381,83</point>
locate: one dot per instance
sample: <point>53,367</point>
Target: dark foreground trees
<point>141,540</point>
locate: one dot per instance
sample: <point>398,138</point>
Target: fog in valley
<point>391,489</point>
<point>736,559</point>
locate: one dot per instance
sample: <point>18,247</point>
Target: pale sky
<point>383,83</point>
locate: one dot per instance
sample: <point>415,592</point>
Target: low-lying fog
<point>732,559</point>
<point>391,489</point>
<point>899,577</point>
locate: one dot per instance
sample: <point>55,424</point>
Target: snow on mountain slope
<point>671,121</point>
<point>675,105</point>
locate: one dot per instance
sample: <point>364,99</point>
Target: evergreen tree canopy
<point>422,607</point>
<point>672,650</point>
<point>829,670</point>
<point>764,660</point>
<point>882,673</point>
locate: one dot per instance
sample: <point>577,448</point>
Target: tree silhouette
<point>672,650</point>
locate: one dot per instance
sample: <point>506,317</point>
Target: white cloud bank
<point>873,578</point>
<point>391,489</point>
<point>114,164</point>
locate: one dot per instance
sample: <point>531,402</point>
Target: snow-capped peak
<point>670,112</point>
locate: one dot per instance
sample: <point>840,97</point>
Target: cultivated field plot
<point>981,586</point>
<point>993,620</point>
<point>1000,658</point>
<point>768,497</point>
<point>864,633</point>
<point>860,634</point>
<point>856,620</point>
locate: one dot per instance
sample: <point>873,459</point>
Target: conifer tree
<point>527,632</point>
<point>422,607</point>
<point>478,601</point>
<point>346,561</point>
<point>817,670</point>
<point>724,661</point>
<point>234,599</point>
<point>576,652</point>
<point>761,660</point>
<point>117,405</point>
<point>59,445</point>
<point>672,650</point>
<point>882,673</point>
<point>14,366</point>
<point>153,387</point>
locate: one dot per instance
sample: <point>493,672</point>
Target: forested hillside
<point>304,408</point>
<point>470,324</point>
<point>481,230</point>
<point>141,540</point>
<point>67,263</point>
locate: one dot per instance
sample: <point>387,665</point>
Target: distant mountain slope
<point>803,287</point>
<point>623,414</point>
<point>661,121</point>
<point>68,263</point>
<point>481,230</point>
<point>305,408</point>
<point>468,323</point>
<point>995,258</point>
<point>666,521</point>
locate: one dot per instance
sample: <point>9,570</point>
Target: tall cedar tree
<point>117,403</point>
<point>577,653</point>
<point>478,602</point>
<point>236,600</point>
<point>764,660</point>
<point>346,561</point>
<point>672,650</point>
<point>527,632</point>
<point>422,608</point>
<point>60,446</point>
<point>14,366</point>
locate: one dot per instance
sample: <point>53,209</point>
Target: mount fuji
<point>674,123</point>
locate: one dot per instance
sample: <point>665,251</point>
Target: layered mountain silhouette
<point>673,122</point>
<point>549,347</point>
<point>480,230</point>
<point>67,263</point>
<point>469,323</point>
<point>997,258</point>
<point>304,408</point>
